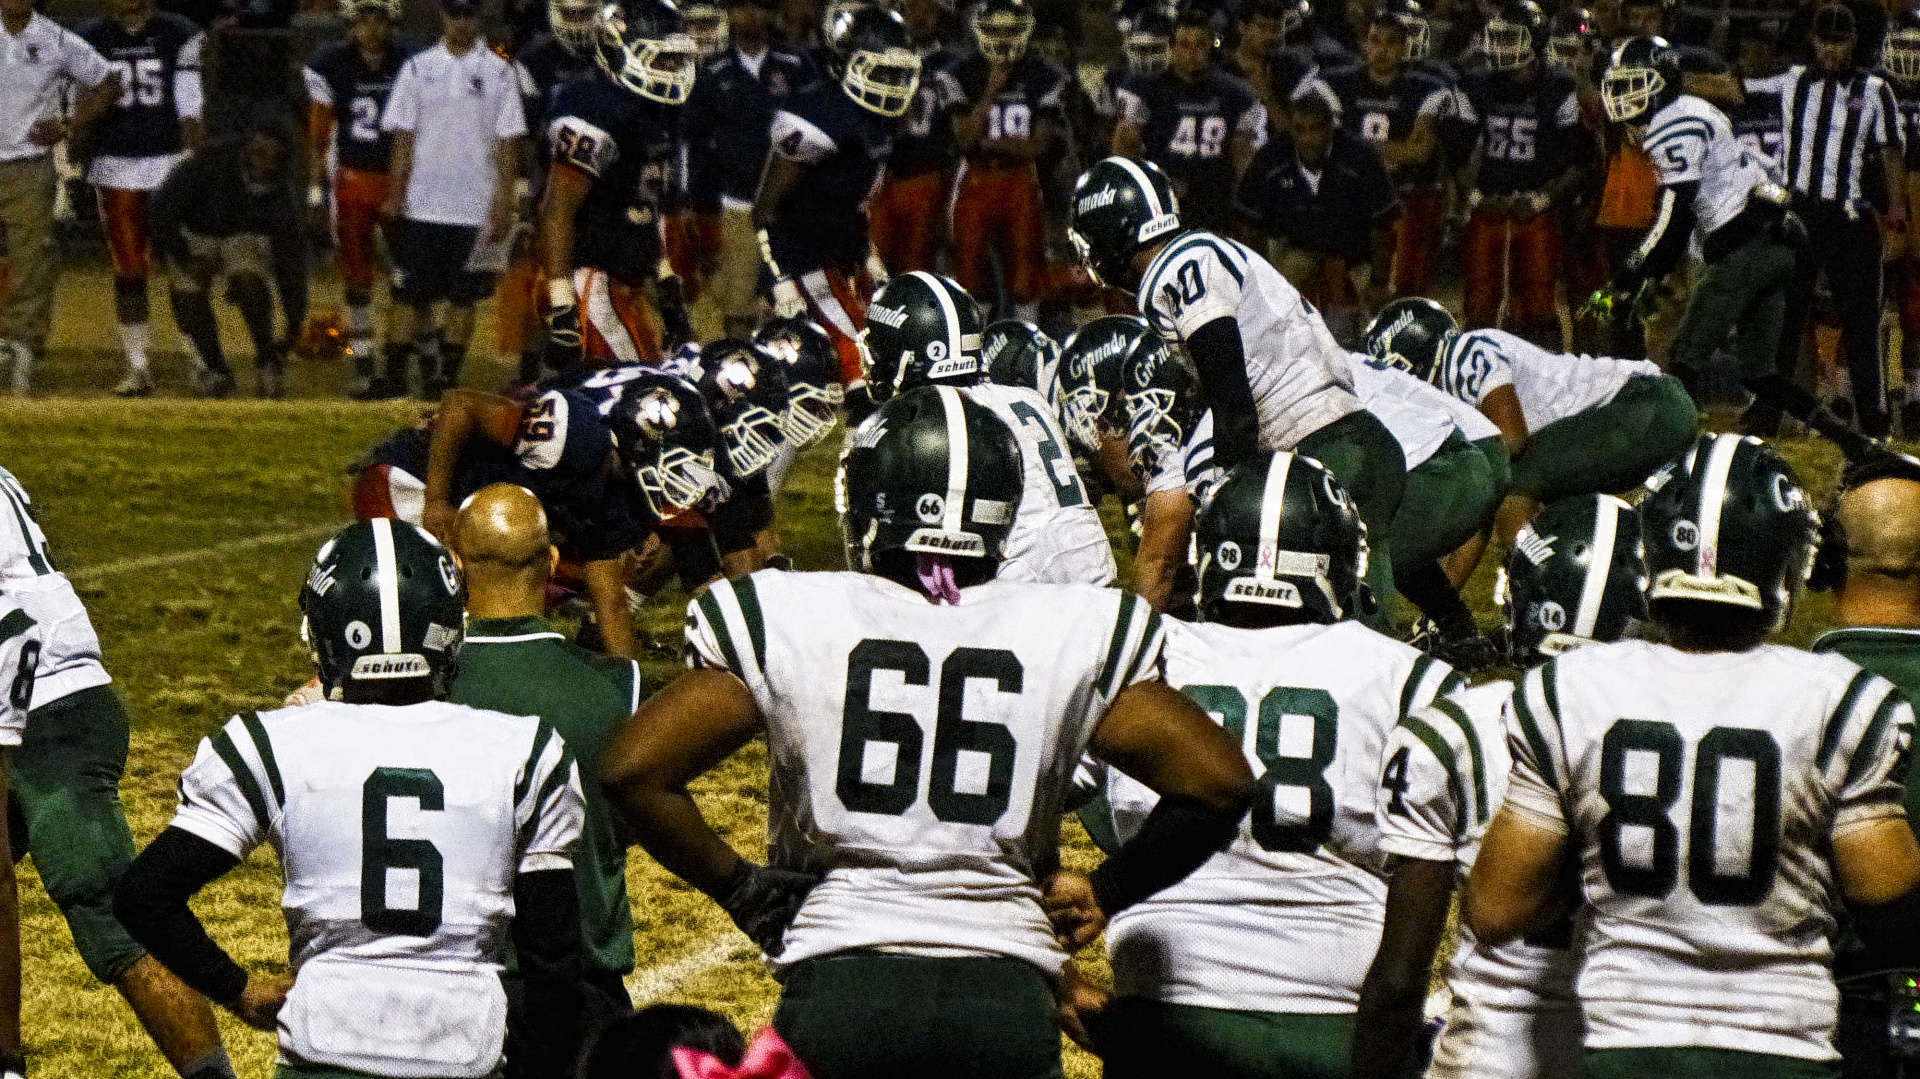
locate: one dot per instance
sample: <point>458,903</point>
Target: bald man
<point>515,661</point>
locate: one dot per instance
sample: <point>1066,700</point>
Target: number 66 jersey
<point>921,754</point>
<point>1701,793</point>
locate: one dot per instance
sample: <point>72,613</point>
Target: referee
<point>1839,121</point>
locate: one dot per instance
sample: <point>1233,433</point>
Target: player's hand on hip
<point>1077,1006</point>
<point>260,1002</point>
<point>1073,909</point>
<point>764,901</point>
<point>788,302</point>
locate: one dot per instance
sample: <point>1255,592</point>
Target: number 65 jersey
<point>1701,793</point>
<point>400,830</point>
<point>922,754</point>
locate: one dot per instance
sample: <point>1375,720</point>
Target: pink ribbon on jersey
<point>767,1058</point>
<point>936,578</point>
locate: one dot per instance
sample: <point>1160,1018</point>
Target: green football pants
<point>1146,1039</point>
<point>1363,455</point>
<point>1745,294</point>
<point>1696,1063</point>
<point>868,1015</point>
<point>1611,448</point>
<point>1449,498</point>
<point>66,799</point>
<point>1499,461</point>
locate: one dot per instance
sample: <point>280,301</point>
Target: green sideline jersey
<point>1893,654</point>
<point>523,666</point>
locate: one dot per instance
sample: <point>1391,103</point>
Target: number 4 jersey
<point>400,831</point>
<point>1701,793</point>
<point>922,754</point>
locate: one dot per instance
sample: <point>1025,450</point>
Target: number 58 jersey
<point>1701,793</point>
<point>400,830</point>
<point>921,754</point>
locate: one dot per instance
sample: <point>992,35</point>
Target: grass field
<point>187,527</point>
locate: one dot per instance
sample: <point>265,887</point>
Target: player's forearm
<point>400,167</point>
<point>507,163</point>
<point>775,185</point>
<point>1166,520</point>
<point>1896,169</point>
<point>559,205</point>
<point>453,427</point>
<point>607,590</point>
<point>1394,993</point>
<point>94,103</point>
<point>151,903</point>
<point>319,137</point>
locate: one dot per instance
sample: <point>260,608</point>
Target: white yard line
<point>649,984</point>
<point>176,558</point>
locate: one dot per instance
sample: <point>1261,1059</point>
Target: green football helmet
<point>1120,205</point>
<point>383,601</point>
<point>1092,379</point>
<point>1729,523</point>
<point>1280,531</point>
<point>1412,334</point>
<point>1018,353</point>
<point>1162,394</point>
<point>1576,575</point>
<point>932,472</point>
<point>922,329</point>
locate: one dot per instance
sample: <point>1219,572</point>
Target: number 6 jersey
<point>1701,793</point>
<point>921,754</point>
<point>400,831</point>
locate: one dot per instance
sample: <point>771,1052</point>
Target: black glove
<point>763,902</point>
<point>563,335</point>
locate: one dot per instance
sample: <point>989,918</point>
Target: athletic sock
<point>214,1064</point>
<point>360,336</point>
<point>134,340</point>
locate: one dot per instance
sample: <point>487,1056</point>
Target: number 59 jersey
<point>1701,793</point>
<point>922,753</point>
<point>1286,918</point>
<point>400,830</point>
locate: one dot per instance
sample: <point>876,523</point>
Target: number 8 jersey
<point>1701,793</point>
<point>922,754</point>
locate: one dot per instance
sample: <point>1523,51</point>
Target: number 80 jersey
<point>1702,792</point>
<point>921,754</point>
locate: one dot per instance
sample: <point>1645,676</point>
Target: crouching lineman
<point>1716,791</point>
<point>925,720</point>
<point>1310,695</point>
<point>1576,578</point>
<point>417,838</point>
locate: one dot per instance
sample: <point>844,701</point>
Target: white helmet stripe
<point>1606,530</point>
<point>948,312</point>
<point>1272,500</point>
<point>1146,186</point>
<point>386,575</point>
<point>955,517</point>
<point>1713,495</point>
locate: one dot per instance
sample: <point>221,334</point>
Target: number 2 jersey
<point>1701,794</point>
<point>1057,537</point>
<point>70,649</point>
<point>1287,918</point>
<point>1550,385</point>
<point>400,830</point>
<point>922,753</point>
<point>339,77</point>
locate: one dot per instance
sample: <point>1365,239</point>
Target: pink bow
<point>767,1058</point>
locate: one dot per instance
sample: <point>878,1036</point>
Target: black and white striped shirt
<point>1829,122</point>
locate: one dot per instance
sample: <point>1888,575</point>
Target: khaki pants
<point>26,219</point>
<point>736,284</point>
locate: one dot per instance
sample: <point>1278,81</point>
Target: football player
<point>347,86</point>
<point>1018,353</point>
<point>1007,103</point>
<point>907,209</point>
<point>1271,372</point>
<point>1716,792</point>
<point>64,782</point>
<point>924,330</point>
<point>815,393</point>
<point>1252,966</point>
<point>745,390</point>
<point>830,146</point>
<point>1520,118</point>
<point>1146,42</point>
<point>133,146</point>
<point>417,838</point>
<point>20,648</point>
<point>1572,424</point>
<point>612,144</point>
<point>925,720</point>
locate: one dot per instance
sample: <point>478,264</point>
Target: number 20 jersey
<point>1286,918</point>
<point>1701,793</point>
<point>400,830</point>
<point>922,753</point>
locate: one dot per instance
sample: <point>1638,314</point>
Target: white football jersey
<point>922,753</point>
<point>1057,537</point>
<point>70,649</point>
<point>400,831</point>
<point>19,660</point>
<point>1444,772</point>
<point>1287,918</point>
<point>1551,385</point>
<point>1701,793</point>
<point>1192,467</point>
<point>1297,370</point>
<point>1690,141</point>
<point>1419,425</point>
<point>1472,423</point>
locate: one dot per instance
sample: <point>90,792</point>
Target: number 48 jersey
<point>400,830</point>
<point>922,753</point>
<point>1701,793</point>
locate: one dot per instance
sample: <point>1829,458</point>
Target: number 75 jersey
<point>1701,793</point>
<point>921,754</point>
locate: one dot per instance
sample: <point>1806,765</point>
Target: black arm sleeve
<point>1221,361</point>
<point>1176,838</point>
<point>1666,242</point>
<point>151,902</point>
<point>546,941</point>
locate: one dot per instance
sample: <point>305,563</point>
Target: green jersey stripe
<point>1459,716</point>
<point>1550,688</point>
<point>1863,753</point>
<point>243,776</point>
<point>1140,651</point>
<point>1121,625</point>
<point>1530,728</point>
<point>264,746</point>
<point>717,623</point>
<point>1421,665</point>
<point>1454,681</point>
<point>1227,257</point>
<point>541,736</point>
<point>35,559</point>
<point>14,624</point>
<point>555,778</point>
<point>1830,737</point>
<point>1444,754</point>
<point>749,597</point>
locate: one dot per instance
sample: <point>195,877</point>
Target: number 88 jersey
<point>1701,793</point>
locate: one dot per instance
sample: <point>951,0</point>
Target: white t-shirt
<point>35,66</point>
<point>458,108</point>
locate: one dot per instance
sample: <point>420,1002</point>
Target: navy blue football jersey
<point>628,145</point>
<point>1035,93</point>
<point>338,76</point>
<point>159,68</point>
<point>1757,121</point>
<point>923,142</point>
<point>822,223</point>
<point>730,114</point>
<point>1187,128</point>
<point>1530,134</point>
<point>549,65</point>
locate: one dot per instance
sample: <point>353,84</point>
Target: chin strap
<point>935,573</point>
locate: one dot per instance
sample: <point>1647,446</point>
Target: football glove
<point>787,299</point>
<point>763,902</point>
